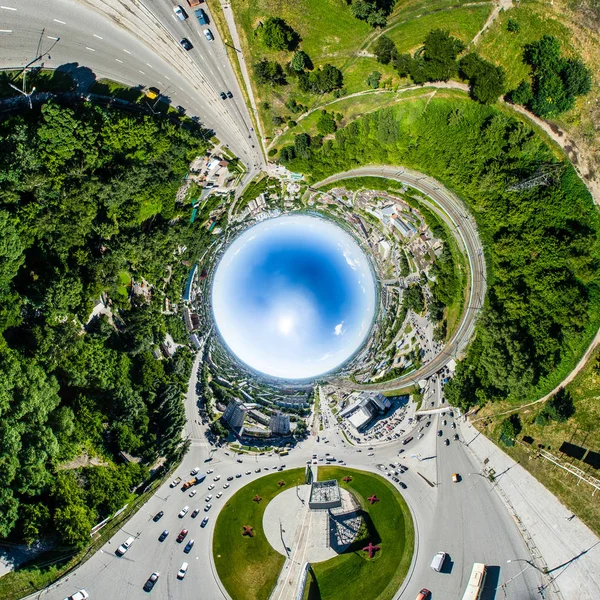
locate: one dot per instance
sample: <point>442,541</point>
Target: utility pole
<point>24,90</point>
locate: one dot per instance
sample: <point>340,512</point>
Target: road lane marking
<point>6,30</point>
<point>98,36</point>
<point>126,51</point>
<point>119,60</point>
<point>57,21</point>
<point>8,8</point>
<point>167,78</point>
<point>142,72</point>
<point>88,48</point>
<point>51,37</point>
<point>149,65</point>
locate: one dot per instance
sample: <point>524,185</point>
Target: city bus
<point>283,453</point>
<point>476,582</point>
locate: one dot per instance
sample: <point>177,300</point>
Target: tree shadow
<point>83,77</point>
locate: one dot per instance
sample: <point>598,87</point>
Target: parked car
<point>207,507</point>
<point>424,594</point>
<point>195,513</point>
<point>151,581</point>
<point>230,478</point>
<point>238,475</point>
<point>183,512</point>
<point>175,482</point>
<point>402,485</point>
<point>456,437</point>
<point>204,522</point>
<point>211,487</point>
<point>158,516</point>
<point>188,546</point>
<point>163,536</point>
<point>208,498</point>
<point>210,471</point>
<point>195,470</point>
<point>440,433</point>
<point>193,493</point>
<point>455,477</point>
<point>446,442</point>
<point>219,495</point>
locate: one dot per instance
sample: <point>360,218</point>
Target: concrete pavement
<point>568,550</point>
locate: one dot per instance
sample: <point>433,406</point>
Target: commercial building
<point>362,412</point>
<point>280,424</point>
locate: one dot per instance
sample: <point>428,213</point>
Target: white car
<point>420,436</point>
<point>80,595</point>
<point>371,454</point>
<point>181,573</point>
<point>194,470</point>
<point>217,477</point>
<point>248,472</point>
<point>209,471</point>
<point>181,15</point>
<point>208,498</point>
<point>225,486</point>
<point>219,494</point>
<point>209,36</point>
<point>207,507</point>
<point>183,512</point>
<point>211,487</point>
<point>193,493</point>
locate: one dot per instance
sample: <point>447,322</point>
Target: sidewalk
<point>569,550</point>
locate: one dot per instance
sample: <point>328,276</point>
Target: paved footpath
<point>569,550</point>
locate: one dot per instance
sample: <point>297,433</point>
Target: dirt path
<point>502,5</point>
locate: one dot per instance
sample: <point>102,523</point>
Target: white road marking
<point>88,48</point>
<point>6,30</point>
<point>51,37</point>
<point>142,72</point>
<point>126,51</point>
<point>98,36</point>
<point>149,65</point>
<point>167,78</point>
<point>8,8</point>
<point>119,60</point>
<point>57,21</point>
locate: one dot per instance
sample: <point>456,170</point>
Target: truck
<point>197,479</point>
<point>193,3</point>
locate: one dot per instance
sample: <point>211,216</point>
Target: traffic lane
<point>107,55</point>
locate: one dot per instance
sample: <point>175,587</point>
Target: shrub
<point>373,79</point>
<point>301,61</point>
<point>276,34</point>
<point>267,71</point>
<point>513,26</point>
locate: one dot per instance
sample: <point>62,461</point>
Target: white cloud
<point>339,328</point>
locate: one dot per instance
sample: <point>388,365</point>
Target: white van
<point>438,561</point>
<point>125,546</point>
<point>182,571</point>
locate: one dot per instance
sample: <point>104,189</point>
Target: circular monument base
<point>320,533</point>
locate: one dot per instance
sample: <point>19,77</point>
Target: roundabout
<point>273,528</point>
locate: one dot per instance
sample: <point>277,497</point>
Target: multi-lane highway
<point>466,519</point>
<point>136,43</point>
<point>462,225</point>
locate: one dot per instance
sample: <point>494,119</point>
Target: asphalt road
<point>136,43</point>
<point>465,519</point>
<point>453,212</point>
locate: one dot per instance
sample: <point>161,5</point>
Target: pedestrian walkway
<point>563,545</point>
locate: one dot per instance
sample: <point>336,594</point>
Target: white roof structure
<point>359,418</point>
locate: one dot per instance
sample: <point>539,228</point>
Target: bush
<point>522,94</point>
<point>324,80</point>
<point>276,34</point>
<point>403,63</point>
<point>373,79</point>
<point>560,407</point>
<point>513,26</point>
<point>384,50</point>
<point>277,120</point>
<point>510,429</point>
<point>272,152</point>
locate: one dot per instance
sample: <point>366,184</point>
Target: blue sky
<point>293,297</point>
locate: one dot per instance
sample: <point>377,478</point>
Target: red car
<point>424,594</point>
<point>182,535</point>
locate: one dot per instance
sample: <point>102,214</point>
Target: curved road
<point>467,520</point>
<point>456,216</point>
<point>137,43</point>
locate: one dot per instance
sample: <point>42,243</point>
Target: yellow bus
<point>283,453</point>
<point>476,582</point>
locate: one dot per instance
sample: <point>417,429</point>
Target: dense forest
<point>542,304</point>
<point>87,205</point>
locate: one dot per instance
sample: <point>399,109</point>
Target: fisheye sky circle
<point>293,297</point>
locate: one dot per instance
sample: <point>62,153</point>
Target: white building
<point>280,424</point>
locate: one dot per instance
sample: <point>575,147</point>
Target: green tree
<point>384,49</point>
<point>440,50</point>
<point>577,77</point>
<point>34,519</point>
<point>269,72</point>
<point>73,524</point>
<point>373,79</point>
<point>486,80</point>
<point>326,123</point>
<point>510,429</point>
<point>301,62</point>
<point>403,63</point>
<point>522,94</point>
<point>276,34</point>
<point>414,299</point>
<point>513,26</point>
<point>560,407</point>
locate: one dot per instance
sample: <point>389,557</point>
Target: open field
<point>352,575</point>
<point>257,563</point>
<point>581,429</point>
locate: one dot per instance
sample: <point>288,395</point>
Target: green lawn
<point>505,48</point>
<point>44,80</point>
<point>257,563</point>
<point>463,23</point>
<point>581,429</point>
<point>352,575</point>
